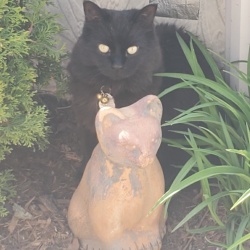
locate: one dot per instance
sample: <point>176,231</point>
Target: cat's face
<point>118,43</point>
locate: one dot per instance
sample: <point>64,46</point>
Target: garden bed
<point>45,182</point>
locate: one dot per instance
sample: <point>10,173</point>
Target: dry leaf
<point>13,223</point>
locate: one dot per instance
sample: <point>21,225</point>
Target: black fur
<point>130,77</point>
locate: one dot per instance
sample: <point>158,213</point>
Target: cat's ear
<point>92,11</point>
<point>148,13</point>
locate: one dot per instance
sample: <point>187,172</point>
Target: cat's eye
<point>103,48</point>
<point>132,50</point>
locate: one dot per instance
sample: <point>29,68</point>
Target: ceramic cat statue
<point>122,181</point>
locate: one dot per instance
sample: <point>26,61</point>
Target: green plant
<point>6,189</point>
<point>29,59</point>
<point>220,150</point>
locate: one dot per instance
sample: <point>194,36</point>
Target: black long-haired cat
<point>121,50</point>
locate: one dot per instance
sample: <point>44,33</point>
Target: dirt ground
<point>45,182</point>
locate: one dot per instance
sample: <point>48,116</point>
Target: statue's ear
<point>92,11</point>
<point>147,14</point>
<point>106,118</point>
<point>109,120</point>
<point>154,108</point>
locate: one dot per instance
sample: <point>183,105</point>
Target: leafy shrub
<point>224,136</point>
<point>6,189</point>
<point>29,59</point>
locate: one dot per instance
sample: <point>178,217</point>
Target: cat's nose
<point>117,66</point>
<point>117,63</point>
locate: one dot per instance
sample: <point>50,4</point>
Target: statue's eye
<point>132,50</point>
<point>103,48</point>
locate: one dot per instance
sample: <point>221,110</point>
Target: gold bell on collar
<point>105,98</point>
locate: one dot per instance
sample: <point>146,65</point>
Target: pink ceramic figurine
<point>122,181</point>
